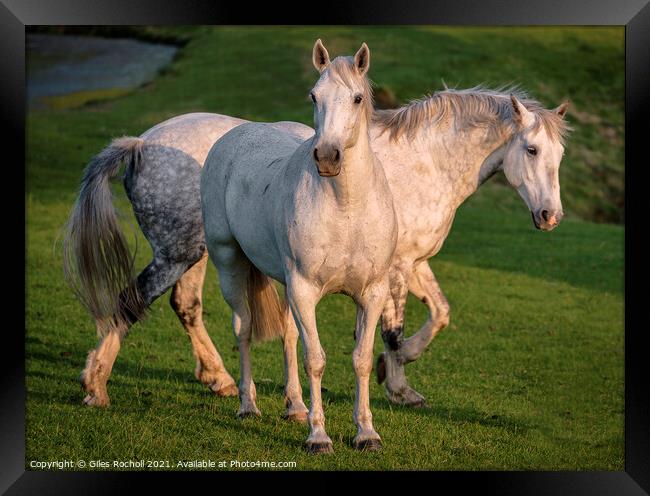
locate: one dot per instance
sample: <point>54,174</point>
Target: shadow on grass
<point>461,415</point>
<point>146,401</point>
<point>138,382</point>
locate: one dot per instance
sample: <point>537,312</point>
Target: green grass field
<point>529,375</point>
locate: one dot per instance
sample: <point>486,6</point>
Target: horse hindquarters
<point>97,253</point>
<point>229,182</point>
<point>165,194</point>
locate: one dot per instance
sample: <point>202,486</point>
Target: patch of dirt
<point>591,158</point>
<point>584,117</point>
<point>385,98</point>
<point>610,134</point>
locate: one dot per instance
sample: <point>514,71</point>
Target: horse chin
<point>326,173</point>
<point>547,227</point>
<point>537,225</point>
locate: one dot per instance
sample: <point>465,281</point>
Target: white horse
<point>436,152</point>
<point>317,217</point>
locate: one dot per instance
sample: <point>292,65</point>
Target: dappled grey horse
<point>435,151</point>
<point>162,181</point>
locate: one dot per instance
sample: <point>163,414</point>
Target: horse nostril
<point>545,215</point>
<point>316,154</point>
<point>337,155</point>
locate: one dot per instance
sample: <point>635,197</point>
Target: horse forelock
<point>473,107</point>
<point>342,69</point>
<point>554,125</point>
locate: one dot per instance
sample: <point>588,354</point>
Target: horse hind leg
<point>152,282</point>
<point>296,409</point>
<point>99,365</point>
<point>233,268</point>
<point>186,300</point>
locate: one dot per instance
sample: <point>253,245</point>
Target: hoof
<point>381,368</point>
<point>413,403</point>
<point>319,448</point>
<point>368,445</point>
<point>249,414</point>
<point>94,400</point>
<point>408,397</point>
<point>226,391</point>
<point>300,417</point>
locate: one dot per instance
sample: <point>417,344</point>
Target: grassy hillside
<point>528,376</point>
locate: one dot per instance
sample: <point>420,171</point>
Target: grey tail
<point>97,262</point>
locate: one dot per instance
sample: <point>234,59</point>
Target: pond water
<point>65,65</point>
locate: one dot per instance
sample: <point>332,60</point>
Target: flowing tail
<point>268,313</point>
<point>96,259</point>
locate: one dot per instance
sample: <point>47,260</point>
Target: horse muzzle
<point>547,220</point>
<point>328,160</point>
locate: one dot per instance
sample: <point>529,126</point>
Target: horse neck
<point>359,172</point>
<point>464,159</point>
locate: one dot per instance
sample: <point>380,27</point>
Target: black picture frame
<point>633,14</point>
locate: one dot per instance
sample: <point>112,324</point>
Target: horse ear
<point>320,57</point>
<point>362,59</point>
<point>561,110</point>
<point>520,113</point>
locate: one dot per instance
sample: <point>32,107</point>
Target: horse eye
<point>531,150</point>
<point>313,97</point>
<point>357,99</point>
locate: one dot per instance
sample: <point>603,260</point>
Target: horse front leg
<point>390,364</point>
<point>369,308</point>
<point>399,352</point>
<point>302,298</point>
